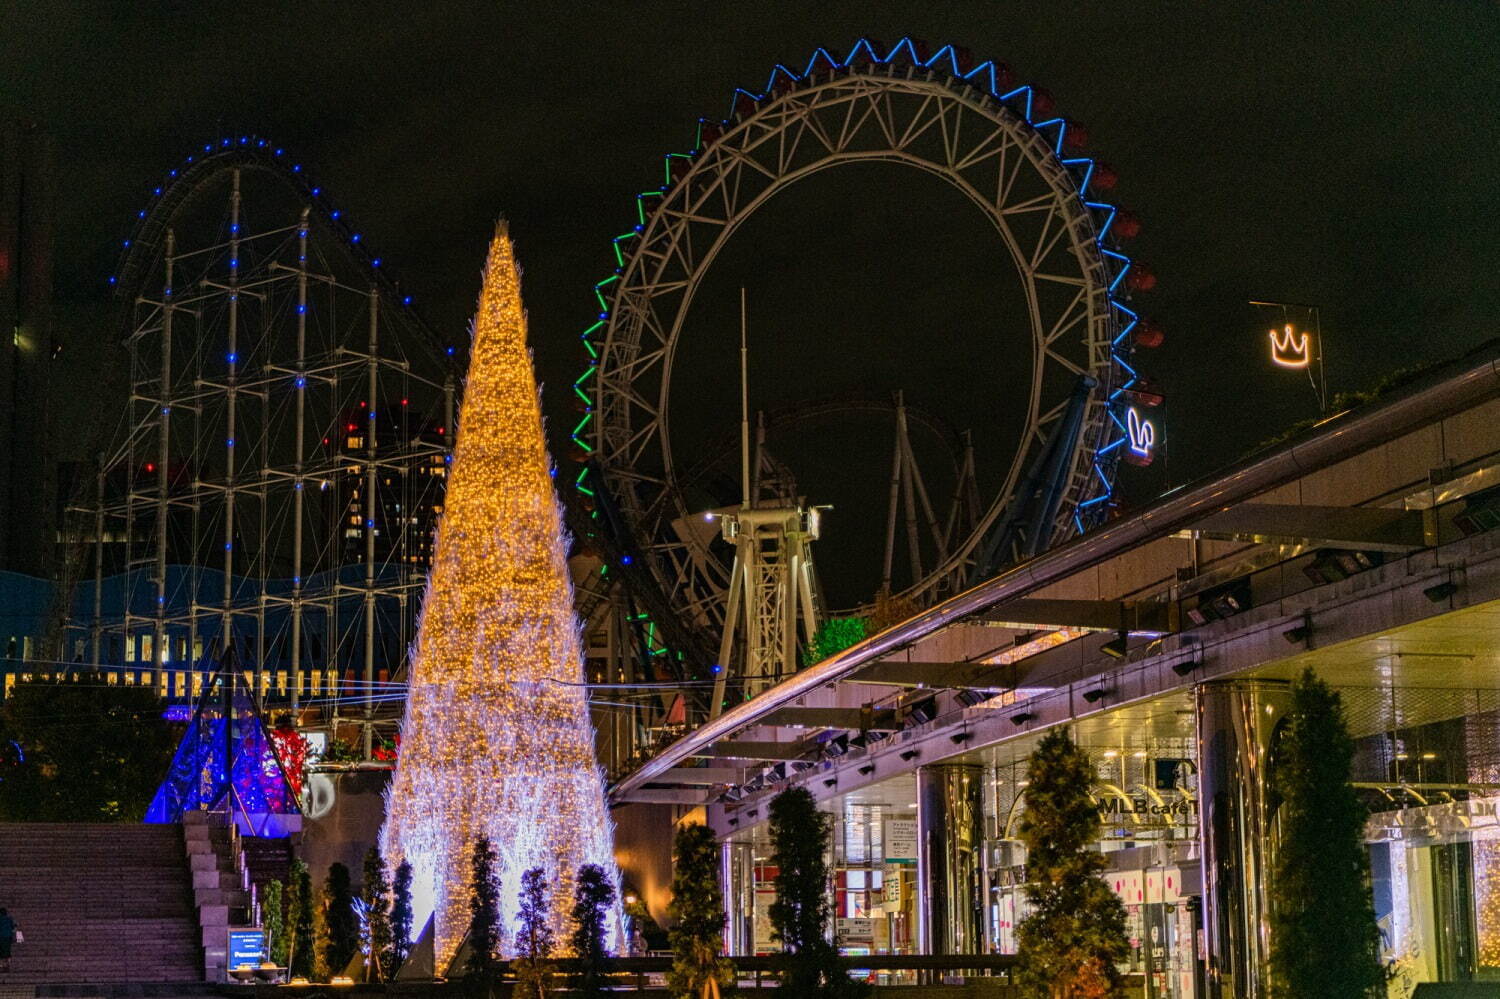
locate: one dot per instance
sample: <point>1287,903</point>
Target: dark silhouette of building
<point>27,201</point>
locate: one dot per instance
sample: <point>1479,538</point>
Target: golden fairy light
<point>496,739</point>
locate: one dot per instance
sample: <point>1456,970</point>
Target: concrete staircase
<point>222,890</point>
<point>100,903</point>
<point>268,859</point>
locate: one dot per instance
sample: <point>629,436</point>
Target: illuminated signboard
<point>1142,433</point>
<point>246,947</point>
<point>1289,348</point>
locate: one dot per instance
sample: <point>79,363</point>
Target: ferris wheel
<point>1021,165</point>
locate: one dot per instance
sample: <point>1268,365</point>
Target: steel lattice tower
<point>284,450</point>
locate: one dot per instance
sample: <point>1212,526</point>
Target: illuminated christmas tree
<point>496,740</point>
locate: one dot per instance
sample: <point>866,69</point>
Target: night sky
<point>1331,153</point>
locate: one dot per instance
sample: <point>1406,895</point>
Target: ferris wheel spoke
<point>1075,315</point>
<point>637,477</point>
<point>856,109</point>
<point>927,116</point>
<point>629,369</point>
<point>789,140</point>
<point>637,444</point>
<point>884,115</point>
<point>1039,203</point>
<point>743,158</point>
<point>1053,233</point>
<point>1053,413</point>
<point>951,132</point>
<point>1013,158</point>
<point>1067,362</point>
<point>1071,280</point>
<point>991,145</point>
<point>862,112</point>
<point>634,399</point>
<point>814,125</point>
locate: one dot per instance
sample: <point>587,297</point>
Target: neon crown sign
<point>1289,348</point>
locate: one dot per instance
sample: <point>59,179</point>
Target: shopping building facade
<point>1367,550</point>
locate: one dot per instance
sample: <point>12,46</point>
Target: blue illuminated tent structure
<point>227,762</point>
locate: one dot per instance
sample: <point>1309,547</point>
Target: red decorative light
<point>1104,176</point>
<point>1075,137</point>
<point>1149,334</point>
<point>1042,101</point>
<point>291,750</point>
<point>1145,392</point>
<point>1126,225</point>
<point>1140,278</point>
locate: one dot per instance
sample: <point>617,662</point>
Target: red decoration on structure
<point>1140,278</point>
<point>387,750</point>
<point>1145,392</point>
<point>1104,176</point>
<point>1149,334</point>
<point>1076,137</point>
<point>1126,225</point>
<point>1042,101</point>
<point>291,750</point>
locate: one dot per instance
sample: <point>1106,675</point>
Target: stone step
<point>100,903</point>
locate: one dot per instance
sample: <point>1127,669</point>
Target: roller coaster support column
<point>300,458</point>
<point>226,628</point>
<point>372,369</point>
<point>163,452</point>
<point>98,630</point>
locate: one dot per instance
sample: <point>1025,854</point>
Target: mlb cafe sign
<point>1122,807</point>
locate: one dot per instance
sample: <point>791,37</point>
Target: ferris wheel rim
<point>1107,320</point>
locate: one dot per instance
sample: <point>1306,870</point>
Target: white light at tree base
<point>493,745</point>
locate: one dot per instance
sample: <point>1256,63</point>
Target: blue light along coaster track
<point>280,461</point>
